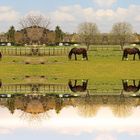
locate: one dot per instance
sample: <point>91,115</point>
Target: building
<point>34,35</point>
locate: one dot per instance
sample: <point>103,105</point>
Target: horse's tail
<point>86,55</point>
<point>85,83</point>
<point>70,54</point>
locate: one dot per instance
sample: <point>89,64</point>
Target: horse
<point>78,88</point>
<point>0,55</point>
<point>78,51</point>
<point>131,51</point>
<point>131,88</point>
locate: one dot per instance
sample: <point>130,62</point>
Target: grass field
<point>103,65</point>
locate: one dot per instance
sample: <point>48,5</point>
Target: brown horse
<point>78,88</point>
<point>0,55</point>
<point>78,51</point>
<point>131,51</point>
<point>130,88</point>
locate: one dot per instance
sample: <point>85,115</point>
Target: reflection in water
<point>78,88</point>
<point>37,98</point>
<point>0,83</point>
<point>131,88</point>
<point>55,107</point>
<point>87,105</point>
<point>124,106</point>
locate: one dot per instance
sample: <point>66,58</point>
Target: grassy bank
<point>102,65</point>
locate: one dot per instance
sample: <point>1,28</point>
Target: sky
<point>69,124</point>
<point>68,14</point>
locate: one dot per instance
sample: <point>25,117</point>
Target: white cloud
<point>70,16</point>
<point>105,137</point>
<point>61,16</point>
<point>8,14</point>
<point>104,3</point>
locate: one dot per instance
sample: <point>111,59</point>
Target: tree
<point>34,20</point>
<point>58,34</point>
<point>88,33</point>
<point>122,33</point>
<point>35,29</point>
<point>11,34</point>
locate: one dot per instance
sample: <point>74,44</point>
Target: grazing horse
<point>78,88</point>
<point>131,88</point>
<point>0,55</point>
<point>131,51</point>
<point>78,51</point>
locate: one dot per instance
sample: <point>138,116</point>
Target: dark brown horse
<point>131,88</point>
<point>78,51</point>
<point>78,88</point>
<point>130,51</point>
<point>0,55</point>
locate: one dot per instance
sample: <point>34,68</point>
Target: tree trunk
<point>122,47</point>
<point>87,47</point>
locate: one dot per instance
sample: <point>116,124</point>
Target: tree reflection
<point>36,105</point>
<point>87,106</point>
<point>124,106</point>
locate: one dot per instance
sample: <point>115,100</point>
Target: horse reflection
<point>78,88</point>
<point>131,88</point>
<point>0,83</point>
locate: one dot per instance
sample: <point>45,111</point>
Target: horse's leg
<point>75,57</point>
<point>134,57</point>
<point>83,56</point>
<point>134,83</point>
<point>75,83</point>
<point>86,57</point>
<point>124,56</point>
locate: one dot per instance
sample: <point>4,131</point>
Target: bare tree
<point>34,20</point>
<point>88,33</point>
<point>122,33</point>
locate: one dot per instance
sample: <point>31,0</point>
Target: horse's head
<point>70,53</point>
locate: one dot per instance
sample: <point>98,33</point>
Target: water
<point>100,114</point>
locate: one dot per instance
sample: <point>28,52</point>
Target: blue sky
<point>103,12</point>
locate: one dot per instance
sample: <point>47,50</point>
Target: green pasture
<point>103,65</point>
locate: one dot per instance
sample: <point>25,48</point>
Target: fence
<point>24,51</point>
<point>58,51</point>
<point>54,88</point>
